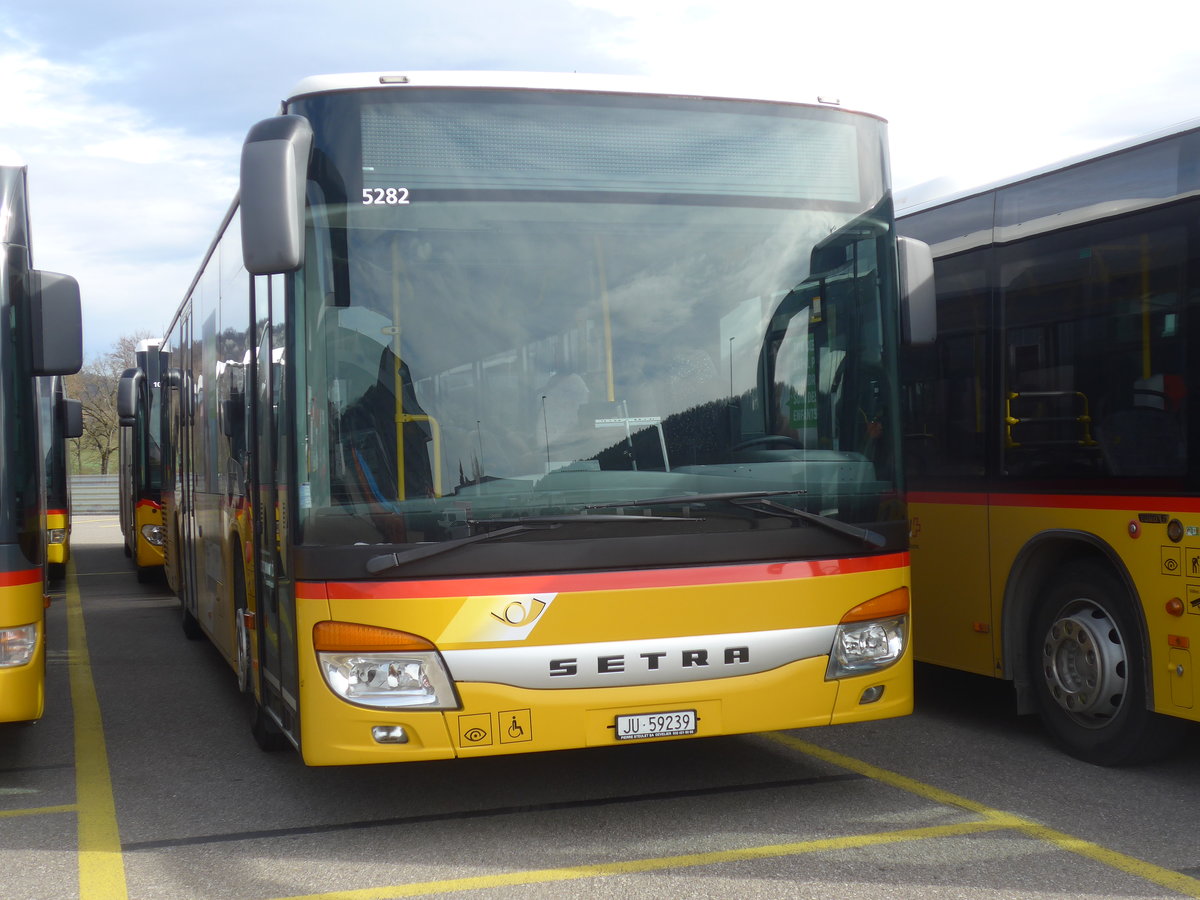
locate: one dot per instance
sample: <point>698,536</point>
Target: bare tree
<point>95,387</point>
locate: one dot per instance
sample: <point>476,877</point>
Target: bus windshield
<point>526,307</point>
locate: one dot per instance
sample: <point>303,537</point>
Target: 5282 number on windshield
<point>393,196</point>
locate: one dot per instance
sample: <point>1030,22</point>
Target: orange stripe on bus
<point>23,576</point>
<point>1059,501</point>
<point>599,581</point>
<point>959,498</point>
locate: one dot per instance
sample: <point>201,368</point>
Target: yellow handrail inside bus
<point>403,417</point>
<point>436,429</point>
<point>610,386</point>
<point>1083,420</point>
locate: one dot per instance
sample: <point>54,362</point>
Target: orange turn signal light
<point>349,637</point>
<point>893,603</point>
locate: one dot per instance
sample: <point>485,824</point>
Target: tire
<point>268,735</point>
<point>1087,662</point>
<point>191,628</point>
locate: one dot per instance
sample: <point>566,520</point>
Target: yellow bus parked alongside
<point>513,413</point>
<point>28,349</point>
<point>61,420</point>
<point>1055,491</point>
<point>139,461</point>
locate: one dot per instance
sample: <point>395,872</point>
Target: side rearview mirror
<point>72,419</point>
<point>127,396</point>
<point>274,168</point>
<point>56,323</point>
<point>918,305</point>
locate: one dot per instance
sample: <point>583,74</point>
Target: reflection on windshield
<point>513,374</point>
<point>470,360</point>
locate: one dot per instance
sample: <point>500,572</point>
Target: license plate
<point>656,725</point>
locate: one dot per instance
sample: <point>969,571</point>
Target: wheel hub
<point>1083,662</point>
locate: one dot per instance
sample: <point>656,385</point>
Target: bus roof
<point>570,81</point>
<point>1069,162</point>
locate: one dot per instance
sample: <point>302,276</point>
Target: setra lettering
<point>656,661</point>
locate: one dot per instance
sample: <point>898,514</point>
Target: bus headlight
<point>871,636</point>
<point>382,668</point>
<point>17,645</point>
<point>867,646</point>
<point>56,535</point>
<point>386,680</point>
<point>155,534</point>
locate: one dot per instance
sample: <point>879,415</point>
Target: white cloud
<point>971,93</point>
<point>123,205</point>
<point>127,204</point>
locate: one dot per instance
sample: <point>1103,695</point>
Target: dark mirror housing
<point>274,167</point>
<point>917,299</point>
<point>127,396</point>
<point>72,419</point>
<point>56,323</point>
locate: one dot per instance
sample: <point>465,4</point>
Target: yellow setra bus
<point>512,413</point>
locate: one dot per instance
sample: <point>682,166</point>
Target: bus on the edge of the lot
<point>41,335</point>
<point>60,420</point>
<point>139,460</point>
<point>1054,495</point>
<point>515,412</point>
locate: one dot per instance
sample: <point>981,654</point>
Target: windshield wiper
<point>868,537</point>
<point>385,561</point>
<point>520,525</point>
<point>761,501</point>
<point>581,518</point>
<point>727,497</point>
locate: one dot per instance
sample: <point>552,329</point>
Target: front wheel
<point>1088,660</point>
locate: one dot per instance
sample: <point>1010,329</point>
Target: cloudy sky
<point>130,113</point>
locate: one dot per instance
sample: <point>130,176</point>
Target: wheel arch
<point>1033,570</point>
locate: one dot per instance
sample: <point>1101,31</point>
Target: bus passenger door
<point>186,479</point>
<point>275,613</point>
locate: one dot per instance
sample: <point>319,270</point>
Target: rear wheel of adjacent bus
<point>1087,658</point>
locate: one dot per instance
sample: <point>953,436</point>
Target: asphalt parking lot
<point>142,781</point>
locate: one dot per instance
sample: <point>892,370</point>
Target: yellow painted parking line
<point>1168,878</point>
<point>904,783</point>
<point>101,864</point>
<point>992,820</point>
<point>38,811</point>
<point>637,866</point>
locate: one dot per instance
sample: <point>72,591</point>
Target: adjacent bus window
<point>1094,352</point>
